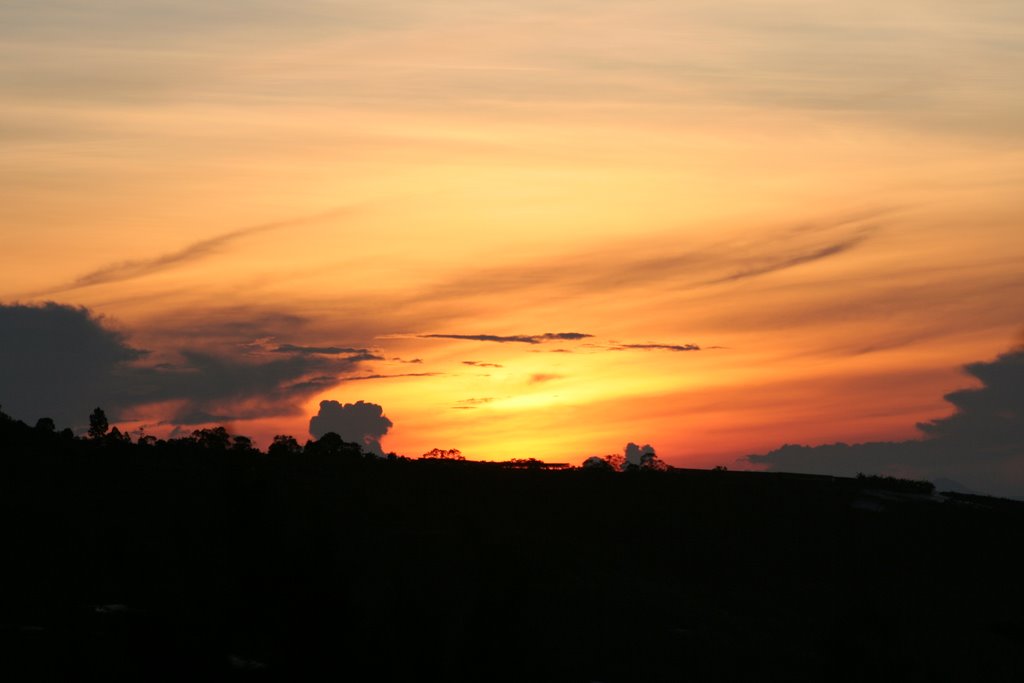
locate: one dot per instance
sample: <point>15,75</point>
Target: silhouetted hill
<point>195,559</point>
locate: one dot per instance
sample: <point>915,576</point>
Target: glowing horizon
<point>824,199</point>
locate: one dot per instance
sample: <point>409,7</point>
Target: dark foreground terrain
<point>154,563</point>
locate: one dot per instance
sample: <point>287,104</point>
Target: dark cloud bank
<point>981,445</point>
<point>61,362</point>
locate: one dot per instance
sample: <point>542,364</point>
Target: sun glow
<point>756,223</point>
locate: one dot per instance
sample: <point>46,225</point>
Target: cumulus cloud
<point>981,443</point>
<point>359,422</point>
<point>989,418</point>
<point>59,361</point>
<point>634,457</point>
<point>515,338</point>
<point>62,361</point>
<point>638,455</point>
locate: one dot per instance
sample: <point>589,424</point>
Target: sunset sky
<point>524,229</point>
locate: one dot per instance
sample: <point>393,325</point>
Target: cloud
<point>471,403</point>
<point>414,360</point>
<point>478,364</point>
<point>235,387</point>
<point>653,347</point>
<point>540,378</point>
<point>62,361</point>
<point>247,325</point>
<point>322,350</point>
<point>402,374</point>
<point>636,455</point>
<point>359,422</point>
<point>129,270</point>
<point>59,361</point>
<point>350,354</point>
<point>989,419</point>
<point>981,443</point>
<point>774,263</point>
<point>674,266</point>
<point>516,338</point>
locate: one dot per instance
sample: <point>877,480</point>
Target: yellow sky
<point>830,194</point>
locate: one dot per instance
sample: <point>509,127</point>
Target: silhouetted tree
<point>242,444</point>
<point>284,446</point>
<point>330,444</point>
<point>596,463</point>
<point>524,464</point>
<point>98,424</point>
<point>641,458</point>
<point>117,436</point>
<point>896,484</point>
<point>651,462</point>
<point>442,454</point>
<point>214,439</point>
<point>46,424</point>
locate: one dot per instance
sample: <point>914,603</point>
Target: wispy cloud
<point>471,403</point>
<point>129,270</point>
<point>478,364</point>
<point>655,347</point>
<point>350,353</point>
<point>541,377</point>
<point>515,338</point>
<point>404,374</point>
<point>665,262</point>
<point>775,263</point>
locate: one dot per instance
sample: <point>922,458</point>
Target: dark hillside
<point>175,561</point>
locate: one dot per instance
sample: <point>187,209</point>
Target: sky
<point>522,229</point>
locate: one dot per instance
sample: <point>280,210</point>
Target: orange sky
<point>825,199</point>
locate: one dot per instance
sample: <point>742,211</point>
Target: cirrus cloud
<point>514,338</point>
